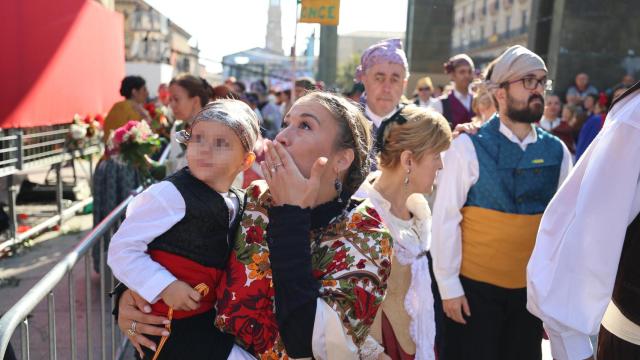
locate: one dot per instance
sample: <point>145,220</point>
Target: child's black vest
<point>203,235</point>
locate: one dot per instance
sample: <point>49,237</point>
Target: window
<point>524,18</point>
<point>482,32</point>
<point>495,28</point>
<point>497,3</point>
<point>508,24</point>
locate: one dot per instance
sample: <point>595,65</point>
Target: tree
<point>347,71</point>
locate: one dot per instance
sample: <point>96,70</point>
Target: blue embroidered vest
<point>512,180</point>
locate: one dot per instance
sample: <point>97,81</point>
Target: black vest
<point>626,291</point>
<point>203,235</point>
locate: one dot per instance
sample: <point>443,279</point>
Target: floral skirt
<point>113,182</point>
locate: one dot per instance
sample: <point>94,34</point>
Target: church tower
<point>274,27</point>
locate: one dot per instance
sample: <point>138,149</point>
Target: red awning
<point>62,57</point>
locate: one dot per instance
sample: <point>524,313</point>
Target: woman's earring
<point>406,178</point>
<point>338,185</point>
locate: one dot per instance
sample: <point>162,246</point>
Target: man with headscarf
<point>456,105</point>
<point>583,276</point>
<point>383,71</point>
<point>492,192</point>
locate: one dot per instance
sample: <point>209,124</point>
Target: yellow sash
<point>496,246</point>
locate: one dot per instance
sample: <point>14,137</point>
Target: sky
<point>222,27</point>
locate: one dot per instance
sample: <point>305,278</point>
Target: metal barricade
<point>112,343</point>
<point>112,346</point>
<point>40,147</point>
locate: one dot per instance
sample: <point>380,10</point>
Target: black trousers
<point>611,347</point>
<point>195,338</point>
<point>499,328</point>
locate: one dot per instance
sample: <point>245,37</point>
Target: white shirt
<point>377,120</point>
<point>152,213</point>
<point>549,124</point>
<point>573,267</point>
<point>464,99</point>
<point>433,104</point>
<point>460,172</point>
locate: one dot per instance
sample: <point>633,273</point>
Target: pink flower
<point>130,125</point>
<point>119,135</point>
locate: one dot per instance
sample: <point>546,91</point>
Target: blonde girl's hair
<point>425,131</point>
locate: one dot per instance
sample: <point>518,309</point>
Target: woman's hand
<point>466,128</point>
<point>134,308</point>
<point>286,183</point>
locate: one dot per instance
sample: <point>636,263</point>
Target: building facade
<point>483,29</point>
<point>356,43</point>
<point>155,47</point>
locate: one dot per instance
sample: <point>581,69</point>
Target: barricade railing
<point>34,148</point>
<point>17,316</point>
<point>112,343</point>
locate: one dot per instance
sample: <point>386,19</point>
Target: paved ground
<point>19,273</point>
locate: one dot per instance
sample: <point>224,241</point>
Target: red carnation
<point>151,108</point>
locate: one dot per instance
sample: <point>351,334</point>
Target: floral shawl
<point>351,257</point>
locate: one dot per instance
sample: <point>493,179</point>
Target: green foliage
<point>347,71</point>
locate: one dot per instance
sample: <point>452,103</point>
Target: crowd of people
<point>296,222</point>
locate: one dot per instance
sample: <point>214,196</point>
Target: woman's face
<point>589,103</point>
<point>214,152</point>
<point>308,132</point>
<point>183,106</point>
<point>423,173</point>
<point>140,95</point>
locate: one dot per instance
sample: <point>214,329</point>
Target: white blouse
<point>573,267</point>
<point>152,213</point>
<point>411,241</point>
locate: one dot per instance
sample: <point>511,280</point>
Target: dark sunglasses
<point>424,89</point>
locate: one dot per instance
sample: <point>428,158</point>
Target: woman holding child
<point>309,267</point>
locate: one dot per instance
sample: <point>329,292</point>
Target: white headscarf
<point>515,63</point>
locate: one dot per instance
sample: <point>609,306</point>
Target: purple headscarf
<point>386,51</point>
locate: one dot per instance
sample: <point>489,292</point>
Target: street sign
<point>325,12</point>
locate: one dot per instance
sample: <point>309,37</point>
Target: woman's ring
<point>275,167</point>
<point>132,330</point>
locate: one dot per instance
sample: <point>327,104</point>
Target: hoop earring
<point>338,186</point>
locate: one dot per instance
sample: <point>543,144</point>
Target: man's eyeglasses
<point>424,89</point>
<point>531,83</point>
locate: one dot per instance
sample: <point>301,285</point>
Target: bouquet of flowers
<point>83,130</point>
<point>132,143</point>
<point>159,122</point>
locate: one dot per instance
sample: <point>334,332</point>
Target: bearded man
<point>492,192</point>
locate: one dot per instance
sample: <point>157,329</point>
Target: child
<point>174,243</point>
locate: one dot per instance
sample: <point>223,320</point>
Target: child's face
<point>214,153</point>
